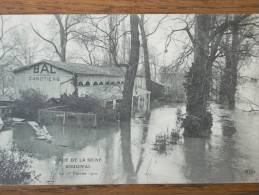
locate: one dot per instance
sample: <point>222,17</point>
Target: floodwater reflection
<point>124,153</point>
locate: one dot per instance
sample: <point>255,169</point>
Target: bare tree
<point>65,24</point>
<point>208,33</point>
<point>144,37</point>
<point>25,50</point>
<point>126,104</point>
<point>113,39</point>
<point>5,78</point>
<point>5,48</point>
<point>103,37</point>
<point>199,78</point>
<point>237,47</point>
<point>198,120</point>
<point>87,39</point>
<point>95,38</point>
<point>146,53</point>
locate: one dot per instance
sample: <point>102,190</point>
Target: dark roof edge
<point>19,69</point>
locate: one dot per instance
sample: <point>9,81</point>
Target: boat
<point>17,120</point>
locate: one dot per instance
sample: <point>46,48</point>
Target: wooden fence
<point>51,116</point>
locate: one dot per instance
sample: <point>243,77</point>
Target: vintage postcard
<point>123,99</point>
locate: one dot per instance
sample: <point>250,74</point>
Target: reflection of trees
<point>109,157</point>
<point>213,160</point>
<point>58,168</point>
<point>196,164</point>
<point>126,152</point>
<point>228,126</point>
<point>230,154</point>
<point>64,139</point>
<point>143,141</point>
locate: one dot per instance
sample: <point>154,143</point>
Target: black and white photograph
<point>129,99</point>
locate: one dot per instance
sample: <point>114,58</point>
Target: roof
<point>77,68</point>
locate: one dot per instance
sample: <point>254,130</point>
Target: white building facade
<point>57,78</point>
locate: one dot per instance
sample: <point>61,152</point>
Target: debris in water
<point>41,132</point>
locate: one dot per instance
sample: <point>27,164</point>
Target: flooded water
<point>125,153</point>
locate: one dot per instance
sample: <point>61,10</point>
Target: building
<point>173,82</point>
<point>54,79</point>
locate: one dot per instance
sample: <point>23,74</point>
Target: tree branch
<point>157,26</point>
<point>47,40</point>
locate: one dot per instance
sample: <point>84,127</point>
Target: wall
<point>41,77</point>
<point>140,82</point>
<point>247,96</point>
<point>102,81</point>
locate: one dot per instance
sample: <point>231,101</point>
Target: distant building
<point>54,79</point>
<point>247,96</point>
<point>172,82</point>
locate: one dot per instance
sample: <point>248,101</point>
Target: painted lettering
<point>44,68</point>
<point>36,69</point>
<point>52,71</point>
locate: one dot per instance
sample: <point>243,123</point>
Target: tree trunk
<point>226,71</point>
<point>234,64</point>
<point>75,84</point>
<point>229,80</point>
<point>224,85</point>
<point>199,120</point>
<point>126,152</point>
<point>63,39</point>
<point>146,53</point>
<point>113,39</point>
<point>126,104</point>
<point>124,40</point>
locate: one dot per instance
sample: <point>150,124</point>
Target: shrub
<point>197,127</point>
<point>28,104</point>
<point>80,104</point>
<point>15,168</point>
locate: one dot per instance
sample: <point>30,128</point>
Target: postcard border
<point>130,6</point>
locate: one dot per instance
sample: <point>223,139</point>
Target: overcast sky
<point>156,41</point>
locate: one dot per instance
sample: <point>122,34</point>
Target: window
<point>107,83</point>
<point>112,83</point>
<point>87,83</point>
<point>118,82</point>
<point>101,83</point>
<point>95,83</point>
<point>80,83</point>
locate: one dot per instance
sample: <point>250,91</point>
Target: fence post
<point>64,119</point>
<point>39,114</point>
<point>95,121</point>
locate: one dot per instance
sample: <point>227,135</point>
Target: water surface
<point>125,153</point>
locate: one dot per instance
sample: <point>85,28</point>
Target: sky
<point>156,41</point>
